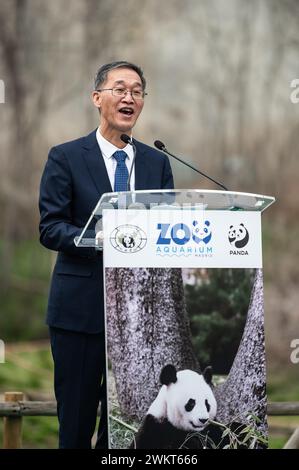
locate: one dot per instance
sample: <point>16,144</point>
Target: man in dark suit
<point>76,174</point>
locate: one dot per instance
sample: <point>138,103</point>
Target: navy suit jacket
<point>73,181</point>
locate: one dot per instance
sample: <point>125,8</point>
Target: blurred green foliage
<point>28,368</point>
<point>40,432</point>
<point>23,290</point>
<point>283,385</point>
<point>217,303</point>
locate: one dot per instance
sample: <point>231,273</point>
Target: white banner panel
<point>182,238</point>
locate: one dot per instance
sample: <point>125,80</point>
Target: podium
<point>183,287</point>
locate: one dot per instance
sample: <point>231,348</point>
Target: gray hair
<point>102,73</point>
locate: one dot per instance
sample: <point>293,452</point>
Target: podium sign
<point>183,294</point>
<point>182,239</point>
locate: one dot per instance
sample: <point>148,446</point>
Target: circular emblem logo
<point>128,238</point>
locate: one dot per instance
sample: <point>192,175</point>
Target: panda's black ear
<point>168,375</point>
<point>208,375</point>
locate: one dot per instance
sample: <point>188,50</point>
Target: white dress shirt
<point>108,150</point>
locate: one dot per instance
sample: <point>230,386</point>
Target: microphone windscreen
<point>125,138</point>
<point>159,145</point>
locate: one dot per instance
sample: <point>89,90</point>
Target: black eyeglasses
<point>121,92</point>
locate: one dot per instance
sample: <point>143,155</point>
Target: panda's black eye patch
<point>207,405</point>
<point>190,405</point>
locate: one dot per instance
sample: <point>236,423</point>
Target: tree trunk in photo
<point>244,391</point>
<point>147,328</point>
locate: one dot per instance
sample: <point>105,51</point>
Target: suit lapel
<point>141,170</point>
<point>95,163</point>
<point>97,168</point>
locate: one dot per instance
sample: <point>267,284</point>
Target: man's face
<point>119,113</point>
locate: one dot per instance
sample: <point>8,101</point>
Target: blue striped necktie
<point>121,173</point>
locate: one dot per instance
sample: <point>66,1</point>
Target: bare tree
<point>244,391</point>
<point>147,327</point>
<point>11,36</point>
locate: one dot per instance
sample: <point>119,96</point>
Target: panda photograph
<point>186,358</point>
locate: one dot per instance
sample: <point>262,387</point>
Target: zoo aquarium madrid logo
<point>183,240</point>
<point>238,237</point>
<point>128,238</point>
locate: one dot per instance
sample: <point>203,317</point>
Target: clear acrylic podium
<point>183,199</point>
<point>157,245</point>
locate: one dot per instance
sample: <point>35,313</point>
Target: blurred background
<point>219,84</point>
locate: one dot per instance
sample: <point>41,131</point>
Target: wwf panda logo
<point>238,236</point>
<point>128,238</point>
<point>127,241</point>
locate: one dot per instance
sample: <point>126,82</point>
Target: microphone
<point>128,140</point>
<point>160,146</point>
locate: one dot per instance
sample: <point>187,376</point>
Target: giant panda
<point>184,405</point>
<point>183,414</point>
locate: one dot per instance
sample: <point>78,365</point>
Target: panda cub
<point>184,405</point>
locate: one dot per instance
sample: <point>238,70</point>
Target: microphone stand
<point>133,164</point>
<point>160,146</point>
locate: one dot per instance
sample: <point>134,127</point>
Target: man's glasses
<point>121,92</point>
